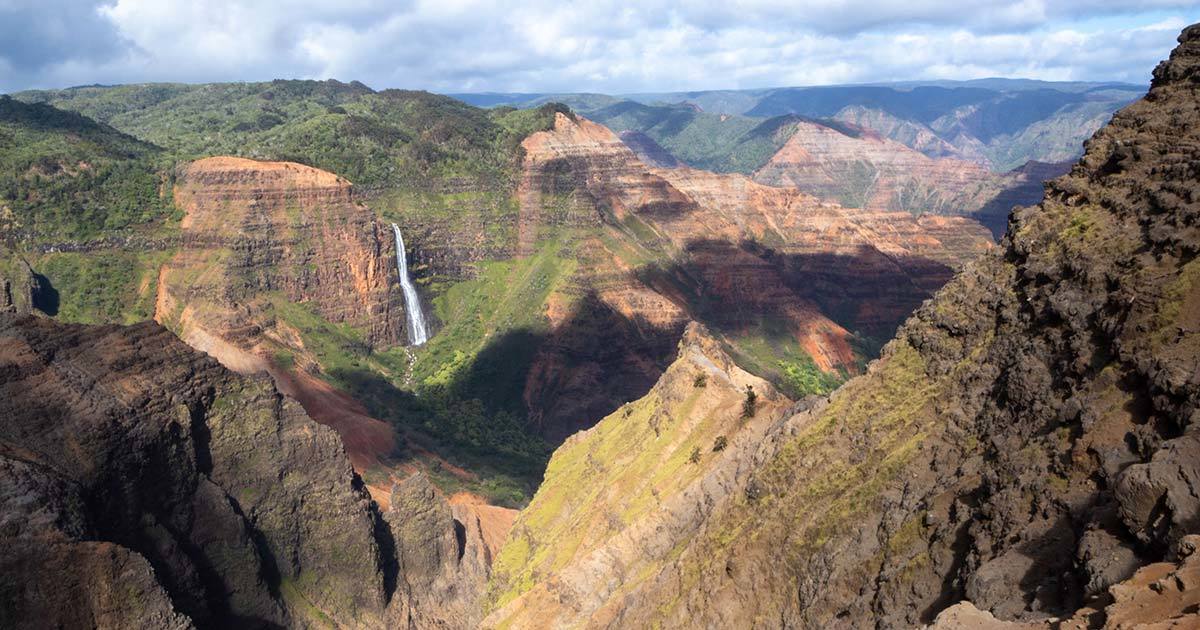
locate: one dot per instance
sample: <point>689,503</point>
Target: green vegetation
<point>750,404</point>
<point>65,176</point>
<point>506,460</point>
<point>461,397</point>
<point>96,165</point>
<point>801,377</point>
<point>99,287</point>
<point>613,475</point>
<point>93,169</point>
<point>721,143</point>
<point>770,351</point>
<point>394,138</point>
<point>493,311</point>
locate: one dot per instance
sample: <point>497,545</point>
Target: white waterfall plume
<point>418,333</point>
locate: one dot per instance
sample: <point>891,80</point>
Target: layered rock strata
<point>623,493</point>
<point>262,237</point>
<point>659,247</point>
<point>253,230</point>
<point>851,163</point>
<point>144,485</point>
<point>1027,443</point>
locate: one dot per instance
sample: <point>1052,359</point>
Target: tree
<point>750,405</point>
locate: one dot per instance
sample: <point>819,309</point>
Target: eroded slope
<point>783,277</point>
<point>1026,443</point>
<point>144,485</point>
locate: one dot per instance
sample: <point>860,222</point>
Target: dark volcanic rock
<point>144,451</point>
<point>144,485</point>
<point>1028,442</point>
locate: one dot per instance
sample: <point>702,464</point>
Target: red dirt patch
<point>368,441</point>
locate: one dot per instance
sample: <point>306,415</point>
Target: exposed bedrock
<point>144,485</point>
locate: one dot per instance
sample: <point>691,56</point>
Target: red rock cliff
<point>667,245</point>
<point>263,240</point>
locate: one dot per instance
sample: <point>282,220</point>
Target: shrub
<point>695,456</point>
<point>750,404</point>
<point>700,381</point>
<point>720,443</point>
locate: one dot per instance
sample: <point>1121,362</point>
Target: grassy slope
<point>392,138</point>
<point>646,451</point>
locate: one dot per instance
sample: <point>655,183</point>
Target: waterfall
<point>417,331</point>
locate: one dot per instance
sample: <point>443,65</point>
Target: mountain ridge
<point>1025,443</point>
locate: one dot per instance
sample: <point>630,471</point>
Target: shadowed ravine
<point>651,396</point>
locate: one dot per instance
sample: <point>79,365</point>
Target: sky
<point>564,46</point>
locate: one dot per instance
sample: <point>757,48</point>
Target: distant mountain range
<point>1000,123</point>
<point>810,394</point>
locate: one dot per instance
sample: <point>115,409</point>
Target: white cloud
<point>607,46</point>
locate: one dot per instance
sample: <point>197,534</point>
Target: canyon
<point>734,254</point>
<point>651,395</point>
<point>859,167</point>
<point>266,247</point>
<point>1026,443</point>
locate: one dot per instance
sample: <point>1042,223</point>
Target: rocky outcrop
<point>1158,596</point>
<point>445,554</point>
<point>624,493</point>
<point>19,286</point>
<point>144,485</point>
<point>1027,443</point>
<point>256,230</point>
<point>659,247</point>
<point>268,248</point>
<point>182,489</point>
<point>855,161</point>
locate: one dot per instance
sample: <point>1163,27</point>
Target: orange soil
<point>368,441</point>
<point>495,521</point>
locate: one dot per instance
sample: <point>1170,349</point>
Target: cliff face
<point>663,246</point>
<point>852,163</point>
<point>1027,442</point>
<point>673,211</point>
<point>126,448</point>
<point>144,485</point>
<point>866,269</point>
<point>269,248</point>
<point>858,167</point>
<point>254,230</point>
